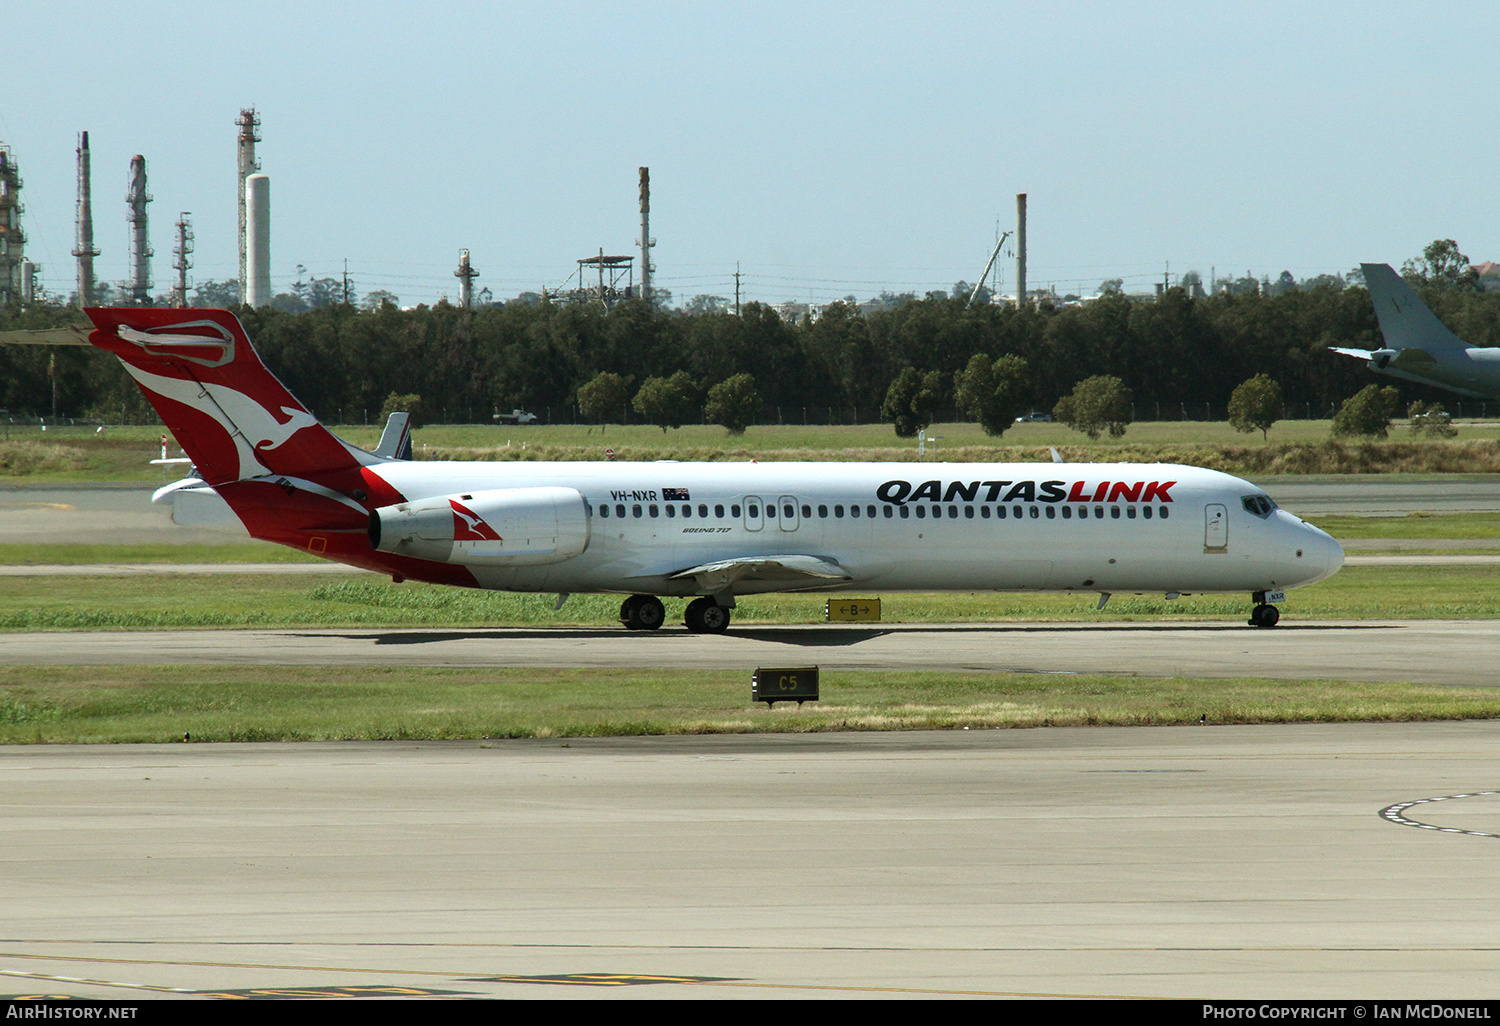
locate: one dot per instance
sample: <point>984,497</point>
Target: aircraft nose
<point>1323,553</point>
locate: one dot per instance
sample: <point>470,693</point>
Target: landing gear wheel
<point>642,613</point>
<point>1264,615</point>
<point>705,616</point>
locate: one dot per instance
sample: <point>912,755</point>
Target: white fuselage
<point>904,526</point>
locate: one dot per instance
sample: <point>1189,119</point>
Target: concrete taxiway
<point>1449,652</point>
<point>1160,862</point>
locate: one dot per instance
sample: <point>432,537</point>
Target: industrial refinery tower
<point>11,236</point>
<point>140,240</point>
<point>85,251</point>
<point>249,125</point>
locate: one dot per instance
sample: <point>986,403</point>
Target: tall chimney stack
<point>646,240</point>
<point>85,251</point>
<point>258,240</point>
<point>1020,248</point>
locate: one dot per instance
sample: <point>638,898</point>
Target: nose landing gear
<point>1264,614</point>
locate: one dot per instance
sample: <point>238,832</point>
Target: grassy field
<point>1295,447</point>
<point>159,704</point>
<point>187,601</point>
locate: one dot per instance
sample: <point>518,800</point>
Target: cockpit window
<point>1260,505</point>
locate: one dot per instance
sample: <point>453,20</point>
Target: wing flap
<point>794,570</point>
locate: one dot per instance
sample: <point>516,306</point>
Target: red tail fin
<point>226,410</point>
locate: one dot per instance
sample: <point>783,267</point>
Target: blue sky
<point>828,148</point>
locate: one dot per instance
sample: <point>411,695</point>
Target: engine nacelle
<point>499,527</point>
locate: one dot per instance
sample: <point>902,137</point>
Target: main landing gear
<point>1264,614</point>
<point>646,613</point>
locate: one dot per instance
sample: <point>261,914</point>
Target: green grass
<point>186,601</point>
<point>1412,526</point>
<point>64,455</point>
<point>77,554</point>
<point>162,703</point>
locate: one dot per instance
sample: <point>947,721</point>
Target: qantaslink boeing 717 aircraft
<point>706,532</point>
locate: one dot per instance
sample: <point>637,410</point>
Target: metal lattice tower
<point>180,254</point>
<point>249,125</point>
<point>140,240</point>
<point>11,236</point>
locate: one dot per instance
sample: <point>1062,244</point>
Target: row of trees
<point>933,356</point>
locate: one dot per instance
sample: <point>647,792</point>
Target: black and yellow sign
<point>852,610</point>
<point>794,684</point>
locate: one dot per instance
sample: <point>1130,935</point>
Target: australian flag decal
<point>675,495</point>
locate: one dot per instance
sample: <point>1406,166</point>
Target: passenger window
<point>1130,512</point>
<point>1035,513</point>
<point>838,511</point>
<point>754,511</point>
<point>806,511</point>
<point>937,512</point>
<point>719,511</point>
<point>823,512</point>
<point>1051,512</point>
<point>1114,512</point>
<point>1163,513</point>
<point>703,510</point>
<point>604,512</point>
<point>905,512</point>
<point>1067,512</point>
<point>672,511</point>
<point>1083,512</point>
<point>1146,512</point>
<point>620,510</point>
<point>854,512</point>
<point>687,510</point>
<point>734,510</point>
<point>635,511</point>
<point>984,511</point>
<point>921,512</point>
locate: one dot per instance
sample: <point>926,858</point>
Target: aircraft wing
<point>789,571</point>
<point>47,337</point>
<point>1361,354</point>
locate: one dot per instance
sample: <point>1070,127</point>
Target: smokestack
<point>258,240</point>
<point>1020,248</point>
<point>85,251</point>
<point>249,124</point>
<point>140,247</point>
<point>646,240</point>
<point>465,275</point>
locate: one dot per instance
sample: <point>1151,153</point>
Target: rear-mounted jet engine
<point>500,527</point>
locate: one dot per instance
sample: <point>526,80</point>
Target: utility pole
<point>736,288</point>
<point>180,254</point>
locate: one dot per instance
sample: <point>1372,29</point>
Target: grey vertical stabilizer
<point>395,440</point>
<point>1404,319</point>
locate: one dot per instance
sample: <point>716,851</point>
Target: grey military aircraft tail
<point>1418,347</point>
